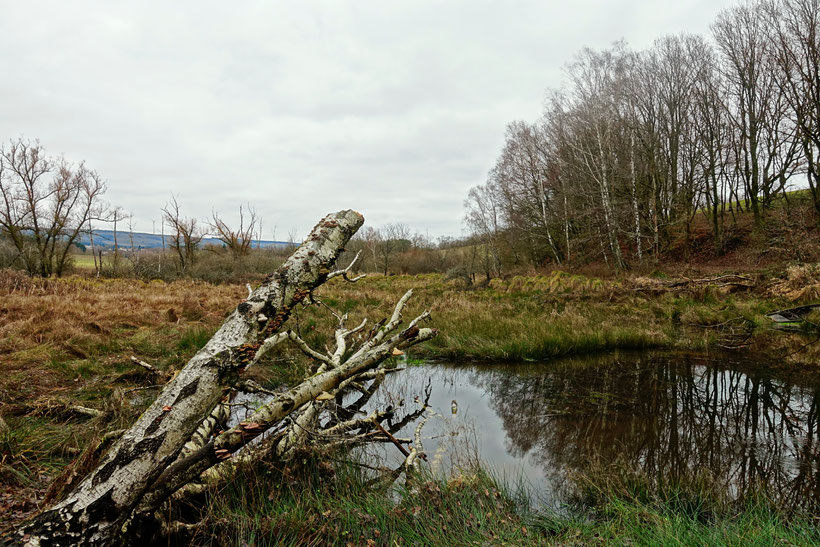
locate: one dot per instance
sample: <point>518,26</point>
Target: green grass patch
<point>194,338</point>
<point>32,445</point>
<point>335,504</point>
<point>322,503</point>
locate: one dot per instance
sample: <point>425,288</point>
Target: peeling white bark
<point>303,406</point>
<point>94,512</point>
<point>303,396</point>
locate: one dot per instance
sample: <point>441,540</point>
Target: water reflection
<point>666,416</point>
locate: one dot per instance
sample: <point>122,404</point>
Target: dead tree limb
<point>145,458</point>
<point>312,410</point>
<point>308,415</point>
<point>281,406</point>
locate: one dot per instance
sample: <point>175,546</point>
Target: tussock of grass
<point>629,508</point>
<point>34,444</point>
<point>194,338</point>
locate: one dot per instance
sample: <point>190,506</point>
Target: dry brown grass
<point>68,341</point>
<point>800,283</point>
<point>54,330</point>
<point>49,322</point>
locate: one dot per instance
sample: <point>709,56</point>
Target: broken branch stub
<point>95,511</point>
<point>300,400</point>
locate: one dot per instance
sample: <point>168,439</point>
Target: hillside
<point>140,240</point>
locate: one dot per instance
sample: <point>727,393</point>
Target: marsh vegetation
<point>68,342</point>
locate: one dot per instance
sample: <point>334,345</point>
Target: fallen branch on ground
<point>178,443</point>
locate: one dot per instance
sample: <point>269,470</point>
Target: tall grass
<point>319,503</point>
<point>630,508</point>
<point>540,317</point>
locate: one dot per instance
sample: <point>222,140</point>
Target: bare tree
<point>393,238</point>
<point>46,204</point>
<point>238,241</point>
<point>524,176</point>
<point>594,135</point>
<point>185,236</point>
<point>370,238</point>
<point>716,161</point>
<point>117,216</point>
<point>483,218</point>
<point>795,29</point>
<point>552,125</point>
<point>764,136</point>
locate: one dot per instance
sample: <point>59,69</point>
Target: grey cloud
<point>395,109</point>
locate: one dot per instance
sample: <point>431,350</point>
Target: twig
<point>345,271</point>
<point>249,386</point>
<point>85,411</point>
<point>307,350</point>
<point>150,368</point>
<point>393,439</point>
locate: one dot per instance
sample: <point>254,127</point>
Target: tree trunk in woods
<point>148,464</point>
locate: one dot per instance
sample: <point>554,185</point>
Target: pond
<point>665,416</point>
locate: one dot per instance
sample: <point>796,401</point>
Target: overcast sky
<point>392,108</point>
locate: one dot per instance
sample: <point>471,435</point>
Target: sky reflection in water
<point>667,416</point>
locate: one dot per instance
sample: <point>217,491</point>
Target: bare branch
<point>307,350</point>
<point>150,368</point>
<point>267,345</point>
<point>345,271</point>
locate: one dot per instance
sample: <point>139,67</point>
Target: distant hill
<point>104,239</point>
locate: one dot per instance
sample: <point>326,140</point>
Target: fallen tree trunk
<point>144,467</point>
<point>330,382</point>
<point>727,282</point>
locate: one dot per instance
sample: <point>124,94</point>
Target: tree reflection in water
<point>665,416</point>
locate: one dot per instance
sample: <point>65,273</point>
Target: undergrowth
<point>319,503</point>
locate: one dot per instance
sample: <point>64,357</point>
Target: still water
<point>664,416</point>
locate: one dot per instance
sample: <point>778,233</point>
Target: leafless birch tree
<point>239,240</point>
<point>177,445</point>
<point>186,234</point>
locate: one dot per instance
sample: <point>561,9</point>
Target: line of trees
<point>48,204</point>
<point>637,144</point>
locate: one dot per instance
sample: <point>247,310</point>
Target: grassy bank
<point>540,317</point>
<point>68,342</point>
<point>321,504</point>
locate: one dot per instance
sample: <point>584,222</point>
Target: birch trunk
<point>634,188</point>
<point>606,204</point>
<point>94,513</point>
